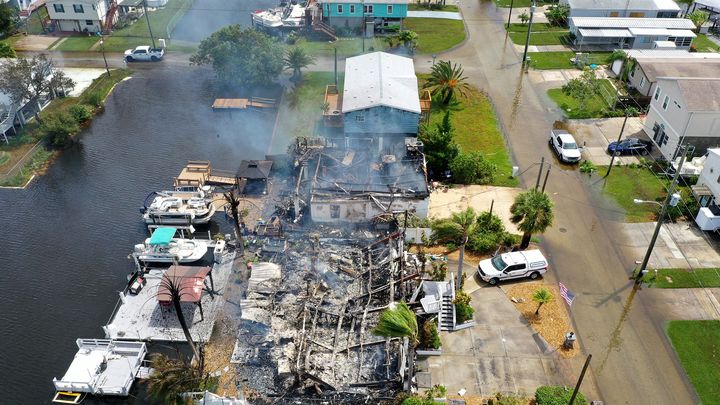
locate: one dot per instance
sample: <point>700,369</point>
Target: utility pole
<point>510,13</point>
<point>527,38</point>
<point>336,75</point>
<point>580,380</point>
<point>542,164</point>
<point>147,18</point>
<point>671,190</point>
<point>102,48</point>
<point>612,157</point>
<point>547,174</point>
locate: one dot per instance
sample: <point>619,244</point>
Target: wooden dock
<point>243,103</point>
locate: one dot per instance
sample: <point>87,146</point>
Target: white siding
<point>70,20</point>
<point>710,174</point>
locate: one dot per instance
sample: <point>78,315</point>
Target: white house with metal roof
<point>623,8</point>
<point>645,72</point>
<point>684,111</point>
<point>632,33</point>
<point>380,96</point>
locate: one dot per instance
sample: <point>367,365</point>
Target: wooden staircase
<point>321,27</point>
<point>446,317</point>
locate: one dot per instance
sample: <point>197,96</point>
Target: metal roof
<point>669,54</point>
<point>617,22</point>
<point>650,31</point>
<point>188,279</point>
<point>623,4</point>
<point>380,79</point>
<point>682,33</point>
<point>605,33</point>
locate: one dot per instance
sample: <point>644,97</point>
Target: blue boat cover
<point>162,236</point>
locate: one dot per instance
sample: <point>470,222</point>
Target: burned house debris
<point>252,176</point>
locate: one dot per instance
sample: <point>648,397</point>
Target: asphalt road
<point>633,362</point>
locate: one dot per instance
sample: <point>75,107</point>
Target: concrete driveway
<point>501,353</point>
<point>596,134</point>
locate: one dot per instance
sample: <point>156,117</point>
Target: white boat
<point>289,16</point>
<point>178,208</point>
<point>270,18</point>
<point>162,247</point>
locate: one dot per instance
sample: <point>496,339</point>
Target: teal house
<point>355,13</point>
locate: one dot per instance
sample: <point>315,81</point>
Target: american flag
<point>566,294</point>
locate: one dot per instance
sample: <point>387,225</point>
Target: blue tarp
<point>162,236</point>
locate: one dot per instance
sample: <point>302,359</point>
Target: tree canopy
<point>297,59</point>
<point>241,56</point>
<point>532,211</point>
<point>398,321</point>
<point>439,146</point>
<point>446,80</point>
<point>6,51</point>
<point>472,168</point>
<point>8,19</point>
<point>582,88</point>
<point>28,79</point>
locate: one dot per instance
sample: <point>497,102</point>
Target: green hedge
<point>557,395</point>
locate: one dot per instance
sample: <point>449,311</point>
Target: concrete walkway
<point>447,15</point>
<point>538,16</point>
<point>596,134</point>
<point>679,245</point>
<point>501,353</point>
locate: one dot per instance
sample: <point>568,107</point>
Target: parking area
<point>501,353</point>
<point>594,135</point>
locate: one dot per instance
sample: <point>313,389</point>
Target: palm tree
<point>398,321</point>
<point>445,80</point>
<point>296,59</point>
<point>457,229</point>
<point>542,296</point>
<point>175,289</point>
<point>408,38</point>
<point>532,211</point>
<point>171,377</point>
<point>234,202</point>
<point>698,18</point>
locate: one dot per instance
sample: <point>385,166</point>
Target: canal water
<point>66,238</point>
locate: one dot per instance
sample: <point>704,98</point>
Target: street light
<point>672,199</point>
<point>102,49</point>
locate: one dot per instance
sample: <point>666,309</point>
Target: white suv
<point>508,266</point>
<point>565,146</point>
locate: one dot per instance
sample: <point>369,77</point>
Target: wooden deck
<point>243,103</point>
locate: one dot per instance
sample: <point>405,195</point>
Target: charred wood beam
<point>373,383</point>
<point>319,380</point>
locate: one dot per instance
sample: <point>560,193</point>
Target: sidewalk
<point>679,245</point>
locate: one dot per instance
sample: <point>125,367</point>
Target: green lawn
<point>595,107</point>
<point>304,104</point>
<point>626,183</point>
<point>561,59</point>
<point>139,34</point>
<point>536,27</point>
<point>697,344</point>
<point>423,7</point>
<point>541,37</point>
<point>345,46</point>
<point>703,44</point>
<point>683,278</point>
<point>476,129</point>
<point>436,35</point>
<point>83,43</point>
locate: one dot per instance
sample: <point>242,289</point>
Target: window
<point>390,9</point>
<point>637,14</point>
<point>614,14</point>
<point>334,211</point>
<point>368,9</point>
<point>89,22</point>
<point>642,81</point>
<point>665,102</point>
<point>360,118</point>
<point>78,8</point>
<point>340,8</point>
<point>352,9</point>
<point>632,72</point>
<point>515,267</point>
<point>657,93</point>
<point>59,8</point>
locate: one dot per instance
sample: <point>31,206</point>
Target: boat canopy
<point>162,236</point>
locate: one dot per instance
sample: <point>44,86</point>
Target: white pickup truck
<point>508,266</point>
<point>144,53</point>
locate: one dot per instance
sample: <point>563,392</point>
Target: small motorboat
<point>178,207</point>
<point>270,18</point>
<point>163,247</point>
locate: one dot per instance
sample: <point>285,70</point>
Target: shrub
<point>503,399</point>
<point>463,311</point>
<point>557,395</point>
<point>437,391</point>
<point>292,38</point>
<point>59,127</point>
<point>6,51</point>
<point>439,271</point>
<point>94,98</point>
<point>429,336</point>
<point>80,112</point>
<point>472,168</point>
<point>587,166</point>
<point>490,234</point>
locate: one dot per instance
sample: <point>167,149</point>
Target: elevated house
<point>684,111</point>
<point>646,71</point>
<point>357,14</point>
<point>632,33</point>
<point>623,8</point>
<point>87,16</point>
<point>380,100</point>
<point>707,192</point>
